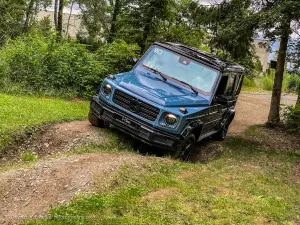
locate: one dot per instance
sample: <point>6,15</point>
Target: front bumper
<point>135,127</point>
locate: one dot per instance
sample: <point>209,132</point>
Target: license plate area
<point>126,121</point>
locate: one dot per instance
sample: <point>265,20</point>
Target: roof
<point>208,58</point>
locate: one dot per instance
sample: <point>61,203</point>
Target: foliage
<point>249,82</point>
<point>117,56</point>
<point>19,115</point>
<point>294,83</point>
<point>292,119</point>
<point>38,64</point>
<point>96,17</point>
<point>267,83</point>
<point>11,17</point>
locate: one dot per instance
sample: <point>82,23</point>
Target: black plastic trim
<point>142,131</point>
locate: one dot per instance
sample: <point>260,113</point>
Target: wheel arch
<point>195,127</point>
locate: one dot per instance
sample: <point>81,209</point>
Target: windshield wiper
<point>190,86</point>
<point>156,72</point>
<point>165,79</point>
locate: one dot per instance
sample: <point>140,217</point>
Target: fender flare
<point>193,127</point>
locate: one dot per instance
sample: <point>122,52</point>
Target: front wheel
<point>96,122</point>
<point>184,149</point>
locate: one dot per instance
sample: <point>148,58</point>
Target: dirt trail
<point>253,109</point>
<point>32,192</point>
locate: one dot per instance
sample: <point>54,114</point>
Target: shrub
<point>118,56</point>
<point>29,157</point>
<point>294,83</point>
<point>292,119</point>
<point>267,83</point>
<point>249,82</point>
<point>39,65</point>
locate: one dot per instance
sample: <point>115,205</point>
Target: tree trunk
<point>60,20</point>
<point>27,16</point>
<point>274,114</point>
<point>146,33</point>
<point>55,14</point>
<point>113,28</point>
<point>67,32</point>
<point>298,100</point>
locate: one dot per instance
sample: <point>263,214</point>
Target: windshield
<point>181,68</point>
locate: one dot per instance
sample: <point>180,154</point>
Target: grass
<point>254,90</point>
<point>19,115</point>
<point>29,157</point>
<point>246,185</point>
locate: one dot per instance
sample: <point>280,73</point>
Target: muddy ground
<point>30,192</point>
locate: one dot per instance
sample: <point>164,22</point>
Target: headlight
<point>107,89</point>
<point>171,119</point>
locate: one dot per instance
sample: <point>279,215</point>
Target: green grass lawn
<point>20,114</point>
<point>248,184</point>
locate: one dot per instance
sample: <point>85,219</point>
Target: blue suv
<point>174,97</point>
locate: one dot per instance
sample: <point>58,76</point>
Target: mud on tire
<point>95,121</point>
<point>184,149</point>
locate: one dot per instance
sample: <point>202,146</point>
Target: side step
<point>207,135</point>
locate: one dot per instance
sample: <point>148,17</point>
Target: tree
<point>69,18</point>
<point>113,26</point>
<point>233,25</point>
<point>141,20</point>
<point>96,18</point>
<point>276,19</point>
<point>60,20</point>
<point>11,19</point>
<point>28,14</point>
<point>180,27</point>
<point>55,13</point>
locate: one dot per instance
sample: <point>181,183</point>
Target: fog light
<point>171,119</point>
<point>107,89</point>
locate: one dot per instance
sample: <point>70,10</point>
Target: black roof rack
<point>206,57</point>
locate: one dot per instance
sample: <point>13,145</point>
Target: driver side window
<point>227,86</point>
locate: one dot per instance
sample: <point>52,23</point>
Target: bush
<point>39,65</point>
<point>249,82</point>
<point>294,83</point>
<point>292,119</point>
<point>118,56</point>
<point>267,83</point>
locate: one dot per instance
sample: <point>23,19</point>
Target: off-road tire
<point>185,148</point>
<point>95,121</point>
<point>222,134</point>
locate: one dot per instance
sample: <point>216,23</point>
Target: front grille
<point>146,111</point>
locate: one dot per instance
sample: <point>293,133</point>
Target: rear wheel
<point>222,134</point>
<point>184,149</point>
<point>96,122</point>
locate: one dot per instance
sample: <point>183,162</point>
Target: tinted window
<point>238,85</point>
<point>230,85</point>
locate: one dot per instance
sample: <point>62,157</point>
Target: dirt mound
<point>32,192</point>
<point>64,137</point>
<point>59,138</point>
